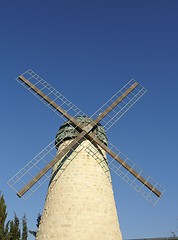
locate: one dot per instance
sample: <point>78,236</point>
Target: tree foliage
<point>14,232</point>
<point>3,216</point>
<point>37,224</point>
<point>24,228</point>
<point>11,230</point>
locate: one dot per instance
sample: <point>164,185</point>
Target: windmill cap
<point>67,131</point>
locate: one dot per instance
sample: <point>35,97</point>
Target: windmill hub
<point>67,131</point>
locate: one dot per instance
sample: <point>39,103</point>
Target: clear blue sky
<point>88,50</point>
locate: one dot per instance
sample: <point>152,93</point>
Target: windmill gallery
<point>80,202</point>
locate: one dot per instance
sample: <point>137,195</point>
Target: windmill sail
<point>108,114</point>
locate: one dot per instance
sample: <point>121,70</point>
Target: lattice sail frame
<point>43,157</point>
<point>50,91</point>
<point>73,110</point>
<point>125,175</point>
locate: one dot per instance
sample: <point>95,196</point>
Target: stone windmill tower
<point>80,202</point>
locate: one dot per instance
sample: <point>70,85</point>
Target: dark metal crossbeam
<point>84,132</point>
<point>72,145</point>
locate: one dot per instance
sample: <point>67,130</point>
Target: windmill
<point>80,202</point>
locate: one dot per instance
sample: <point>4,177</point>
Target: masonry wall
<point>80,203</point>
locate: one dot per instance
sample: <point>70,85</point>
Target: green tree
<point>11,229</point>
<point>14,232</point>
<point>38,220</point>
<point>3,216</point>
<point>24,228</point>
<point>37,224</point>
<point>6,231</point>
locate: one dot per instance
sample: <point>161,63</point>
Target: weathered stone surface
<point>80,203</point>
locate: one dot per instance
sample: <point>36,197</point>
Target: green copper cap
<point>67,131</point>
